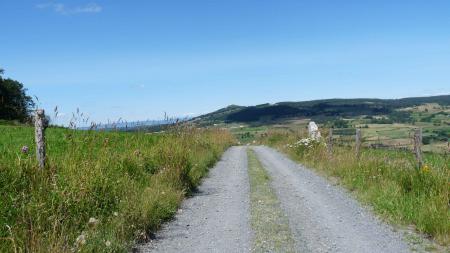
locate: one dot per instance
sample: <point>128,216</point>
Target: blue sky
<point>138,59</point>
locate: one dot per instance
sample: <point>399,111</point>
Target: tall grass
<point>387,180</point>
<point>101,191</point>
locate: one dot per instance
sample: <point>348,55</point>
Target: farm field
<point>400,135</point>
<point>392,135</point>
<point>100,191</point>
<point>246,134</point>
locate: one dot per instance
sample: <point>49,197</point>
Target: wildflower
<point>116,214</point>
<point>108,243</point>
<point>425,169</point>
<point>92,222</point>
<point>24,150</point>
<point>81,240</point>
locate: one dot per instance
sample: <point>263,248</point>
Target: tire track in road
<point>217,217</point>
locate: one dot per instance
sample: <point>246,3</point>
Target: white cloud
<point>88,8</point>
<point>67,10</point>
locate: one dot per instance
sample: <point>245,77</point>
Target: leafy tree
<point>340,123</point>
<point>15,104</point>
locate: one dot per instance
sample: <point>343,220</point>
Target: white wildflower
<point>92,222</point>
<point>81,240</point>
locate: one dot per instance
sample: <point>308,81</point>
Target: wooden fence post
<point>330,143</point>
<point>358,142</point>
<point>39,125</point>
<point>418,146</point>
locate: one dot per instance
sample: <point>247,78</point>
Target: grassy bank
<point>101,191</point>
<point>387,180</point>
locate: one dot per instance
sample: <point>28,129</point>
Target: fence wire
<point>400,139</point>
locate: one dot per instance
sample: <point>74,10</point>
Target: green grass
<point>245,134</point>
<point>387,180</point>
<point>129,182</point>
<point>270,225</point>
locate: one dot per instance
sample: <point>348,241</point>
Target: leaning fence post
<point>39,130</point>
<point>418,146</point>
<point>330,143</point>
<point>358,142</point>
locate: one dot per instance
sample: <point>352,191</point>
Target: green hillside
<point>322,109</point>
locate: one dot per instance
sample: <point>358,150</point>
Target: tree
<point>340,123</point>
<point>15,104</point>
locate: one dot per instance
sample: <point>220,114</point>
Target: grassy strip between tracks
<point>269,223</point>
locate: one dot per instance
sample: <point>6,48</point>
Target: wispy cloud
<point>67,10</point>
<point>137,86</point>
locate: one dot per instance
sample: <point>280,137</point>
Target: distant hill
<point>317,109</point>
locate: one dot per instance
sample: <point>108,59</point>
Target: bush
<point>340,123</point>
<point>427,140</point>
<point>306,146</point>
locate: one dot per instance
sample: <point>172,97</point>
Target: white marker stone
<point>313,131</point>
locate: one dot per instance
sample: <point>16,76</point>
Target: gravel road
<point>321,217</point>
<point>217,217</point>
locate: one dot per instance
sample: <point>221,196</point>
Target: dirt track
<point>322,217</point>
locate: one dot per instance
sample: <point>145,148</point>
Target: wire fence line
<point>347,137</point>
<point>410,140</point>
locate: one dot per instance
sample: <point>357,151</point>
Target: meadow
<point>387,180</point>
<point>100,191</point>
